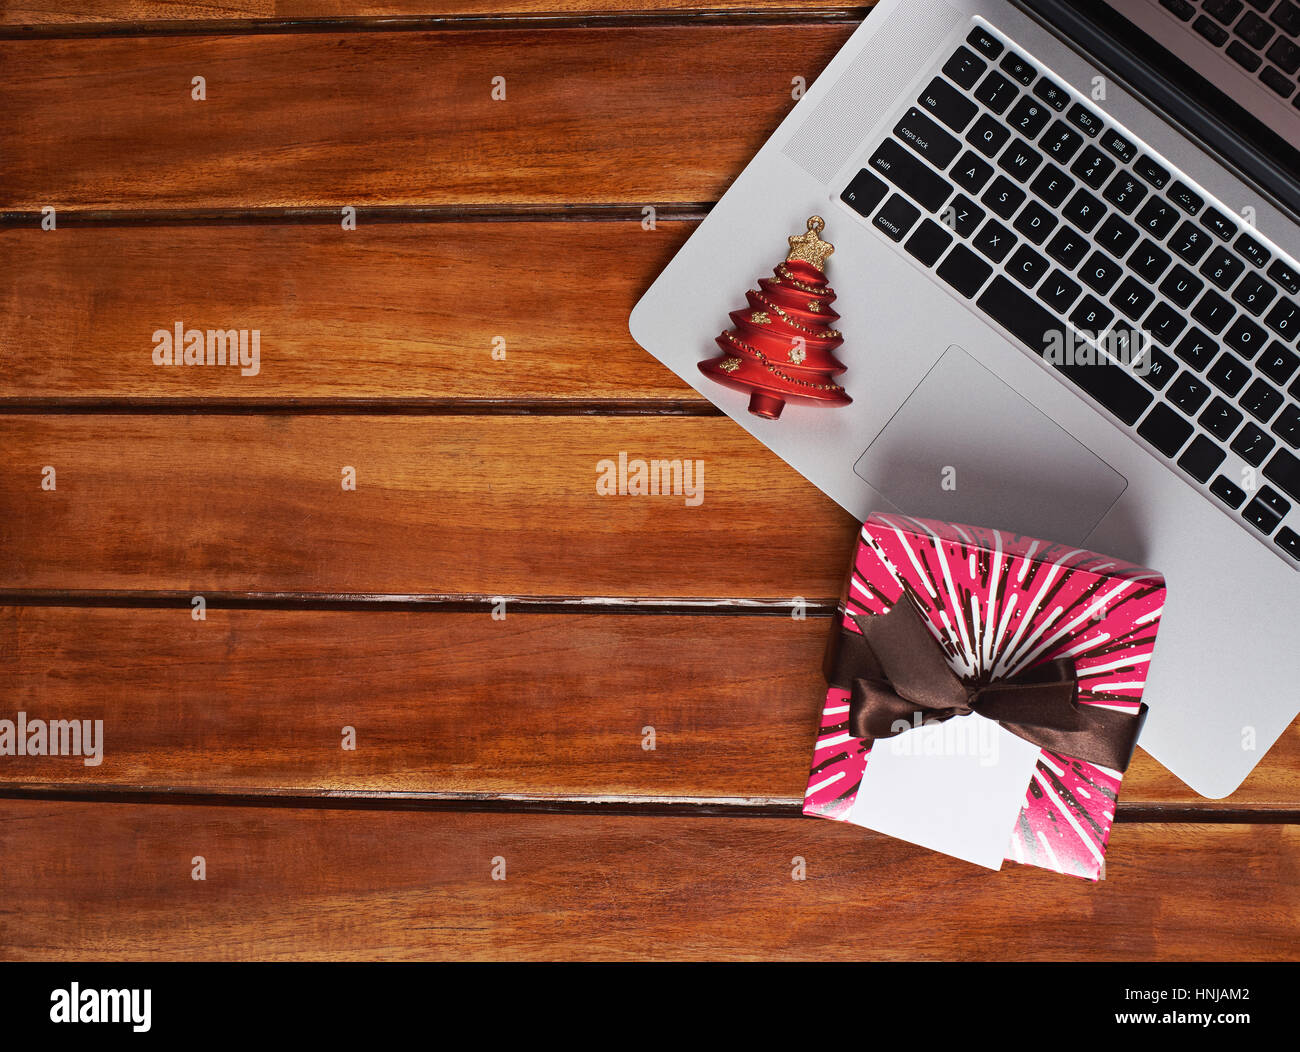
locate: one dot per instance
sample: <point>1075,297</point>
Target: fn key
<point>964,271</point>
<point>864,193</point>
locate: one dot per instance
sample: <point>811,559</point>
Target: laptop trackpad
<point>966,448</point>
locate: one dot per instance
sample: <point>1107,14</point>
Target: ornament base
<point>765,405</point>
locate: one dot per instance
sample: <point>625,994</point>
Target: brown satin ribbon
<point>896,670</point>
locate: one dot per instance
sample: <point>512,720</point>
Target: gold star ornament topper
<point>809,247</point>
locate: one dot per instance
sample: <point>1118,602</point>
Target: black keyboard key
<point>1020,161</point>
<point>1229,492</point>
<point>1164,324</point>
<point>994,240</point>
<point>1283,470</point>
<point>948,104</point>
<point>1244,56</point>
<point>1035,326</point>
<point>927,138</point>
<point>1222,10</point>
<point>1213,311</point>
<point>1027,266</point>
<point>1211,30</point>
<point>1157,217</point>
<point>1287,425</point>
<point>996,92</point>
<point>1261,516</point>
<point>1018,67</point>
<point>1252,444</point>
<point>1202,459</point>
<point>1220,419</point>
<point>1067,247</point>
<point>1028,117</point>
<point>1190,242</point>
<point>1254,293</point>
<point>864,193</point>
<point>1004,197</point>
<point>1285,55</point>
<point>1273,501</point>
<point>911,175</point>
<point>964,270</point>
<point>1188,393</point>
<point>1287,16</point>
<point>1100,273</point>
<point>1132,298</point>
<point>1252,250</point>
<point>1284,318</point>
<point>1093,167</point>
<point>985,43</point>
<point>1278,363</point>
<point>1124,192</point>
<point>1149,261</point>
<point>1289,541</point>
<point>1115,143</point>
<point>1165,430</point>
<point>929,242</point>
<point>964,67</point>
<point>1181,9</point>
<point>1229,374</point>
<point>1261,400</point>
<point>1084,210</point>
<point>1152,172</point>
<point>1254,31</point>
<point>963,215</point>
<point>1196,349</point>
<point>1185,197</point>
<point>971,173</point>
<point>1214,220</point>
<point>1285,275</point>
<point>1091,316</point>
<point>1035,222</point>
<point>1085,120</point>
<point>1222,268</point>
<point>1116,236</point>
<point>1061,143</point>
<point>987,135</point>
<point>1052,185</point>
<point>1181,286</point>
<point>896,218</point>
<point>1051,93</point>
<point>1059,291</point>
<point>1154,366</point>
<point>1245,337</point>
<point>1277,81</point>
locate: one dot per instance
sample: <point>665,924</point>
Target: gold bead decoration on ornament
<point>826,334</point>
<point>802,286</point>
<point>814,306</point>
<point>730,365</point>
<point>808,246</point>
<point>760,317</point>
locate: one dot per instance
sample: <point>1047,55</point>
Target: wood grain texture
<point>537,705</point>
<point>63,12</point>
<point>385,311</point>
<point>642,116</point>
<point>114,881</point>
<point>480,505</point>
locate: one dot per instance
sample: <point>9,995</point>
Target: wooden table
<point>500,641</point>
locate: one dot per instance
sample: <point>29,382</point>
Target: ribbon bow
<point>896,670</point>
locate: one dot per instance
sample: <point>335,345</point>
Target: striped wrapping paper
<point>998,603</point>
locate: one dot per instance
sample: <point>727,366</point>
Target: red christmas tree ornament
<point>780,348</point>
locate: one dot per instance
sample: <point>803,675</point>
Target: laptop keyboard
<point>1057,225</point>
<point>1261,36</point>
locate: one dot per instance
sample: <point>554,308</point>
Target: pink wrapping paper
<point>1000,602</point>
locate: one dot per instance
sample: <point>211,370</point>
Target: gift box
<point>1052,642</point>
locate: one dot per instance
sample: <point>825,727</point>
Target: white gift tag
<point>954,787</point>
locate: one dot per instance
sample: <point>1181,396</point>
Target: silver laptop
<point>1003,180</point>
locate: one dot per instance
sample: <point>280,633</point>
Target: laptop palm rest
<point>965,447</point>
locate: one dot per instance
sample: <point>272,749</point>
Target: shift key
<point>911,175</point>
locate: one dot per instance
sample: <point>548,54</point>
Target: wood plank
<point>114,882</point>
<point>546,706</point>
<point>386,311</point>
<point>629,115</point>
<point>64,12</point>
<point>477,505</point>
